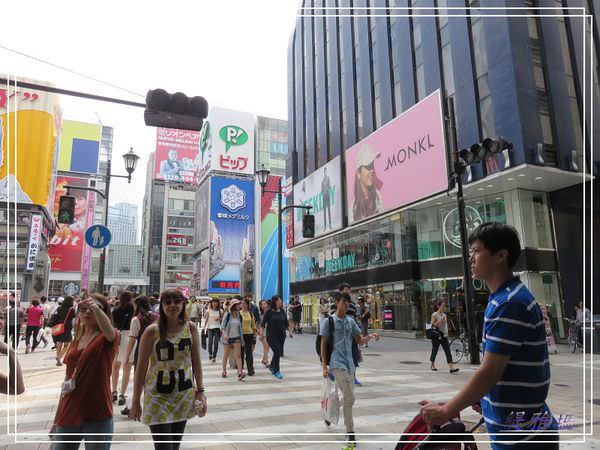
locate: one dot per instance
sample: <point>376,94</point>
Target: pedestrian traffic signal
<point>174,110</point>
<point>308,226</point>
<point>484,150</point>
<point>66,209</point>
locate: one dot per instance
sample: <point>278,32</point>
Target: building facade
<point>122,222</point>
<point>351,73</point>
<point>124,268</point>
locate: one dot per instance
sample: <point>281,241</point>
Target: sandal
<point>58,363</point>
<point>224,374</point>
<point>122,399</point>
<point>114,396</point>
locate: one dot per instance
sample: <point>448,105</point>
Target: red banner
<point>66,246</point>
<point>178,240</point>
<point>176,157</point>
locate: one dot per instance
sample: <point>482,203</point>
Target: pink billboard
<point>176,155</point>
<point>402,162</point>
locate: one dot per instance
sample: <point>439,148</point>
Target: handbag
<point>203,338</point>
<point>434,334</point>
<point>60,328</point>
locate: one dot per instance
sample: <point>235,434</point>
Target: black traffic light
<point>308,226</point>
<point>174,110</point>
<point>66,209</point>
<point>484,150</point>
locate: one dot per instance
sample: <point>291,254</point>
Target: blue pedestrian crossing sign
<point>97,236</point>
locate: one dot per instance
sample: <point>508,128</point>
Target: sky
<point>233,53</point>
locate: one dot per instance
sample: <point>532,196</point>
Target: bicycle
<point>459,348</point>
<point>573,334</point>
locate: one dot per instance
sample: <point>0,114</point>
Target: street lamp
<point>263,177</point>
<point>130,160</point>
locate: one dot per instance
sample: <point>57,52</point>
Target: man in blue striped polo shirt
<point>513,379</point>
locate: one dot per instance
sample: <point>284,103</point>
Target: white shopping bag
<point>40,334</point>
<point>330,402</point>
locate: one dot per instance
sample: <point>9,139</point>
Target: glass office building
<point>356,66</point>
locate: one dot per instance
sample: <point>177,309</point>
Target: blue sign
<point>97,236</point>
<point>232,232</point>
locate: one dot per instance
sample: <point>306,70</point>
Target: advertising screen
<point>232,226</point>
<point>79,147</point>
<point>202,218</point>
<point>402,162</point>
<point>227,142</point>
<point>268,240</point>
<point>176,155</point>
<point>66,246</point>
<point>322,190</point>
<point>32,150</point>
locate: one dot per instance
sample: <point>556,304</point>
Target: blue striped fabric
<point>514,326</point>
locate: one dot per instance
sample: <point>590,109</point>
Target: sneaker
<point>357,382</point>
<point>251,373</point>
<point>351,437</point>
<point>278,375</point>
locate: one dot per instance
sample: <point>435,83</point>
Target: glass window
<point>488,127</point>
<point>535,218</point>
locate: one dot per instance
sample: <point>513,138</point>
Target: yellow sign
<point>29,128</point>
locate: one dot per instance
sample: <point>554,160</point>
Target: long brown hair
<point>170,294</point>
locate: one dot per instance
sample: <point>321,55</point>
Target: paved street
<point>395,374</point>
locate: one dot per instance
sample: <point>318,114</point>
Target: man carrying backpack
<point>337,348</point>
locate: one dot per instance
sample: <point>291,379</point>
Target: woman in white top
<point>439,321</point>
<point>212,324</point>
<point>231,330</point>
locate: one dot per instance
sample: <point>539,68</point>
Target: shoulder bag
<point>60,328</point>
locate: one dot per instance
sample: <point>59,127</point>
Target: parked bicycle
<point>573,334</point>
<point>459,348</point>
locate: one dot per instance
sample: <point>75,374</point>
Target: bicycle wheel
<point>457,349</point>
<point>572,341</point>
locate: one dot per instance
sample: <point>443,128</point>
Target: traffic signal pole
<point>458,170</point>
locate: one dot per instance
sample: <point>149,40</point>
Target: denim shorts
<point>84,432</point>
<point>231,341</point>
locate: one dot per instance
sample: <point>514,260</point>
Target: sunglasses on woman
<point>177,301</point>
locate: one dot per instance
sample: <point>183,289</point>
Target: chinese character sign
<point>176,155</point>
<point>231,232</point>
<point>35,232</point>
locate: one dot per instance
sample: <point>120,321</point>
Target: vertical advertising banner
<point>232,226</point>
<point>322,190</point>
<point>402,162</point>
<point>87,251</point>
<point>202,217</point>
<point>29,128</point>
<point>176,155</point>
<point>227,142</point>
<point>66,246</point>
<point>35,232</point>
<point>268,243</point>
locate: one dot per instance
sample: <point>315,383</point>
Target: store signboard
<point>322,190</point>
<point>202,217</point>
<point>176,156</point>
<point>400,163</point>
<point>232,229</point>
<point>35,232</point>
<point>227,143</point>
<point>178,240</point>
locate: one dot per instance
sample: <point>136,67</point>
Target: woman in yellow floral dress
<point>168,368</point>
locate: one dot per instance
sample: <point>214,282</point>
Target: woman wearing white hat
<point>367,197</point>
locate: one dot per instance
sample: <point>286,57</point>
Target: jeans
<point>84,432</point>
<point>345,383</point>
<point>247,353</point>
<point>435,347</point>
<point>173,432</point>
<point>12,333</point>
<point>276,344</point>
<point>213,342</point>
<point>32,330</point>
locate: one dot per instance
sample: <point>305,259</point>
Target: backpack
<point>329,341</point>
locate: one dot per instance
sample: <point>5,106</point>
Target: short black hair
<point>344,296</point>
<point>343,285</point>
<point>496,236</point>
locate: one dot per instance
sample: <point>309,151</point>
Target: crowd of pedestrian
<point>100,340</point>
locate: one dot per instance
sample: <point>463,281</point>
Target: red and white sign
<point>178,240</point>
<point>35,231</point>
<point>176,156</point>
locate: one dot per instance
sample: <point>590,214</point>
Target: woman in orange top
<point>89,364</point>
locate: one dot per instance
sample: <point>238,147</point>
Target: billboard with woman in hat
<point>400,163</point>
